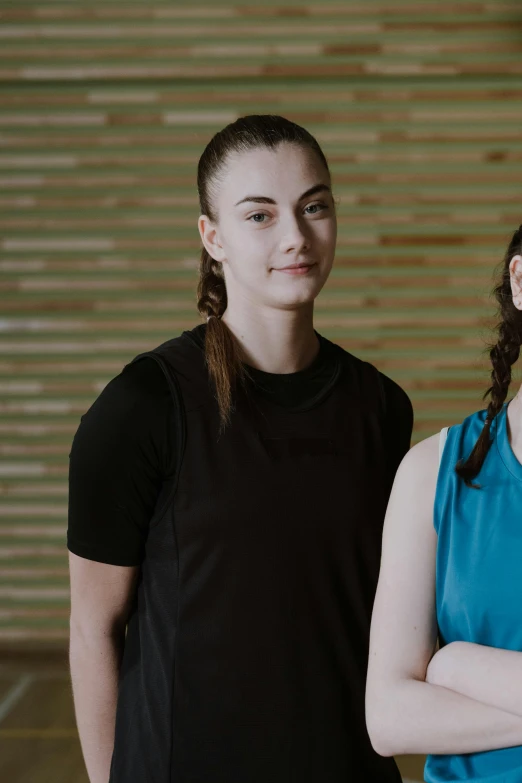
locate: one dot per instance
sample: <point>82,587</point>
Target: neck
<point>514,412</point>
<point>275,341</point>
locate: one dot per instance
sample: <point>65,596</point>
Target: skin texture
<point>271,313</point>
<point>466,697</point>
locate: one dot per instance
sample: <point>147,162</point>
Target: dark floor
<point>38,738</point>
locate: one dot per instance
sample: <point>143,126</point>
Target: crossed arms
<point>466,698</point>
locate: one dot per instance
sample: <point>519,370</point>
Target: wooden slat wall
<point>105,108</point>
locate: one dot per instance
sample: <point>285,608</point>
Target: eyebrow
<point>266,200</point>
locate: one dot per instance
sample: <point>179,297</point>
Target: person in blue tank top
<point>451,571</point>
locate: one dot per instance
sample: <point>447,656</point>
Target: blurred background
<point>105,108</point>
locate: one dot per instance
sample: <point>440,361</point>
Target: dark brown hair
<point>222,351</point>
<point>503,354</point>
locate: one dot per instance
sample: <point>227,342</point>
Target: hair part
<point>503,355</point>
<point>222,350</point>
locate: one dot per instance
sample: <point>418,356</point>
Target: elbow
<point>380,737</point>
<point>380,745</point>
<point>383,724</point>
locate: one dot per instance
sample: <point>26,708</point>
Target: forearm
<point>412,716</point>
<point>95,662</point>
<point>487,674</point>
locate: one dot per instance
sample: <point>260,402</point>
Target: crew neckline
<point>285,390</point>
<point>199,333</point>
<point>299,375</point>
<point>506,452</point>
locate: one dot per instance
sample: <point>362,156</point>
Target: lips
<point>296,269</point>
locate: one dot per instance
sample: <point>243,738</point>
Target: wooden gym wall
<point>105,108</point>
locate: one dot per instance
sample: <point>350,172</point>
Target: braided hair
<point>503,355</point>
<point>222,351</point>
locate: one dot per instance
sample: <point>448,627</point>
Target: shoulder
<point>461,437</point>
<point>396,404</point>
<point>142,378</point>
<point>471,426</point>
<point>188,343</point>
<point>396,397</point>
<point>135,401</point>
<point>139,384</point>
<point>421,462</point>
<point>183,363</point>
<point>394,393</point>
<point>460,441</point>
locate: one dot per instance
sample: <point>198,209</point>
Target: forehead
<point>282,173</point>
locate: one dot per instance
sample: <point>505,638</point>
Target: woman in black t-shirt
<point>227,494</point>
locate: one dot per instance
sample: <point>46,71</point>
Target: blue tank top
<point>479,574</point>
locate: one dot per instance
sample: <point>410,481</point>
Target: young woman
<point>228,492</point>
<point>451,567</point>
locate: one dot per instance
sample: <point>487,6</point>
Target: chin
<point>295,301</point>
<point>300,292</point>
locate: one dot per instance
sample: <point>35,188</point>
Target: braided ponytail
<point>222,350</point>
<point>503,356</point>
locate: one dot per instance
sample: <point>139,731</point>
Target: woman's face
<point>276,226</point>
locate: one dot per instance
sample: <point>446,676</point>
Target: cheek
<point>247,248</point>
<point>235,235</point>
<point>329,232</point>
<point>247,261</point>
<point>324,234</point>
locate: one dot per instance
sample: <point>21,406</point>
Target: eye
<point>316,208</point>
<point>257,215</point>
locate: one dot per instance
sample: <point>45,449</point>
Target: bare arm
<point>101,595</point>
<point>406,714</point>
<point>490,675</point>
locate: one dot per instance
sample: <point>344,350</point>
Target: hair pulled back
<point>222,351</point>
<point>503,355</point>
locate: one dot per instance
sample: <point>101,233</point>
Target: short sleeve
<point>120,456</point>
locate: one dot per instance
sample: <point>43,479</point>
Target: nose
<point>294,237</point>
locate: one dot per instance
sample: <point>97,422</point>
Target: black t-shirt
<point>125,450</point>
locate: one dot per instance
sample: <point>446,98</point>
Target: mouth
<point>296,269</point>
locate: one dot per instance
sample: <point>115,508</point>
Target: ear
<point>515,271</point>
<point>209,236</point>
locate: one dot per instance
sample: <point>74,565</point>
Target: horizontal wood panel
<point>104,111</point>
